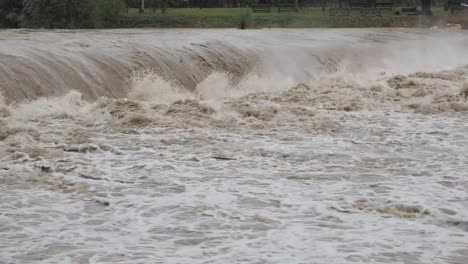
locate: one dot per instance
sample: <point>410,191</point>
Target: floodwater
<point>228,146</point>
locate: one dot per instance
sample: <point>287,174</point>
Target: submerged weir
<point>37,64</point>
<point>228,146</point>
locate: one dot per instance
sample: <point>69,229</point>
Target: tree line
<point>246,3</point>
<point>106,13</point>
<point>60,13</point>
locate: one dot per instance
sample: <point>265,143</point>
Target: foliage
<point>71,13</point>
<point>10,12</point>
<point>109,12</point>
<point>238,18</point>
<point>58,13</point>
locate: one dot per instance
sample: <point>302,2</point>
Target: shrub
<point>108,12</point>
<point>10,11</point>
<point>71,13</point>
<point>58,13</point>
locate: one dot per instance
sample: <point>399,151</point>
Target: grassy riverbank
<point>305,18</point>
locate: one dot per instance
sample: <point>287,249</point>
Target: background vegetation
<point>200,13</point>
<point>10,12</point>
<point>61,13</point>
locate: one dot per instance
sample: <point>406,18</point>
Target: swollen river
<point>228,146</point>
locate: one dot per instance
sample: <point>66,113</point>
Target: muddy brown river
<point>227,146</point>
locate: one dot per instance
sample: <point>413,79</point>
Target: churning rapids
<point>228,146</point>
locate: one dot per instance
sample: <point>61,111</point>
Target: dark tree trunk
<point>164,4</point>
<point>426,7</point>
<point>142,6</point>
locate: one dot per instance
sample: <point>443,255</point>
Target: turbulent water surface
<point>225,146</point>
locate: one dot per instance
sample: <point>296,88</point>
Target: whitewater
<point>229,146</point>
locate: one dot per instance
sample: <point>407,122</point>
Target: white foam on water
<point>150,87</point>
<point>69,104</point>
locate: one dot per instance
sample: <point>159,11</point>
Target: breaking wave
<point>48,64</point>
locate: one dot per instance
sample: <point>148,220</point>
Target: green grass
<point>306,17</point>
<point>308,11</point>
<point>191,11</point>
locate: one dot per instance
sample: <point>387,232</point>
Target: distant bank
<point>250,20</point>
<point>245,18</point>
